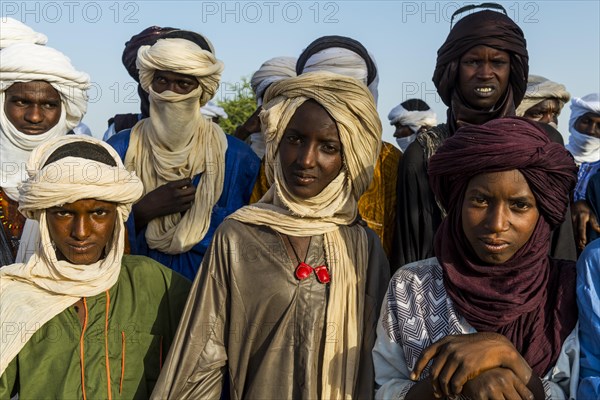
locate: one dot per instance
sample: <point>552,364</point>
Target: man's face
<point>81,230</point>
<point>546,111</point>
<point>173,81</point>
<point>32,107</point>
<point>483,76</point>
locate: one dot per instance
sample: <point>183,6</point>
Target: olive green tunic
<point>250,319</point>
<point>142,309</point>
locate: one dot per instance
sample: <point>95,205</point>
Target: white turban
<point>212,110</point>
<point>584,148</point>
<point>330,213</point>
<point>270,71</point>
<point>25,62</point>
<point>13,31</point>
<point>33,293</point>
<point>345,62</point>
<point>413,119</point>
<point>540,89</point>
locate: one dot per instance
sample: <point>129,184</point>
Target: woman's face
<point>81,230</point>
<point>483,76</point>
<point>499,215</point>
<point>588,124</point>
<point>310,151</point>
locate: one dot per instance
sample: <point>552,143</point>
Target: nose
<point>485,70</point>
<point>307,156</point>
<point>34,114</point>
<point>81,228</point>
<point>497,219</point>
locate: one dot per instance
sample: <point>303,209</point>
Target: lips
<point>81,248</point>
<point>33,130</point>
<point>304,179</point>
<point>484,91</point>
<point>494,245</point>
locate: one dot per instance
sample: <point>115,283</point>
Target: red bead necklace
<point>303,270</point>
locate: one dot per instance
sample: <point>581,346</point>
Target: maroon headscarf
<point>530,298</point>
<point>492,29</point>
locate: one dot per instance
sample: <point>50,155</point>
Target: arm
<point>197,360</point>
<point>251,125</point>
<point>8,380</point>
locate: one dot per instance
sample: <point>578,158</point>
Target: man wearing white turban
<point>584,145</point>
<point>410,118</point>
<point>41,97</point>
<point>543,100</point>
<point>288,295</point>
<point>194,174</point>
<point>80,319</point>
<point>270,71</point>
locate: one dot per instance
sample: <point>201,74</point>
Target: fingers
<point>424,359</point>
<point>594,223</point>
<point>581,230</point>
<point>522,391</point>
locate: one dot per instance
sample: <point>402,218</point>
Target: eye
<point>292,138</point>
<point>160,79</point>
<point>101,212</point>
<point>471,62</point>
<point>479,201</point>
<point>330,148</point>
<point>61,213</point>
<point>521,205</point>
<point>51,105</point>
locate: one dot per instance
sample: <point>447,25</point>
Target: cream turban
<point>33,293</point>
<point>13,31</point>
<point>270,71</point>
<point>540,89</point>
<point>330,213</point>
<point>25,62</point>
<point>184,57</point>
<point>584,148</point>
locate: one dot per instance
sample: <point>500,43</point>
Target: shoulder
<point>148,273</point>
<point>120,142</point>
<point>389,153</point>
<point>418,275</point>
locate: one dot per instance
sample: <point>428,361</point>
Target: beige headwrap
<point>270,71</point>
<point>540,89</point>
<point>33,293</point>
<point>177,142</point>
<point>332,212</point>
<point>26,62</point>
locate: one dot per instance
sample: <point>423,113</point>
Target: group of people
<point>299,256</point>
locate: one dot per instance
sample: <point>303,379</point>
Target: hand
<point>459,358</point>
<point>251,125</point>
<point>497,383</point>
<point>170,198</point>
<point>582,216</point>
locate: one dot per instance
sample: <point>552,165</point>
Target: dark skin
<point>310,152</point>
<point>32,107</point>
<point>251,125</point>
<point>172,197</point>
<point>545,111</point>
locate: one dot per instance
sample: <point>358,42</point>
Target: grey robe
<point>248,317</point>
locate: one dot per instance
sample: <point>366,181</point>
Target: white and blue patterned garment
<point>418,312</point>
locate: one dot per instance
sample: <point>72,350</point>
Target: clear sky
<point>563,40</point>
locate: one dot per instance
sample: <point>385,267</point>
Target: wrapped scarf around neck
<point>332,212</point>
<point>492,29</point>
<point>33,293</point>
<point>526,299</point>
<point>177,142</point>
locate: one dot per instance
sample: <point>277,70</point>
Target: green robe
<point>144,308</point>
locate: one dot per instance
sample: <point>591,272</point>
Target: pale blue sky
<point>563,41</point>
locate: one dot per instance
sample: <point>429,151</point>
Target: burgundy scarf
<point>530,298</point>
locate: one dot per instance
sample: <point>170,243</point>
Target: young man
<point>80,319</point>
